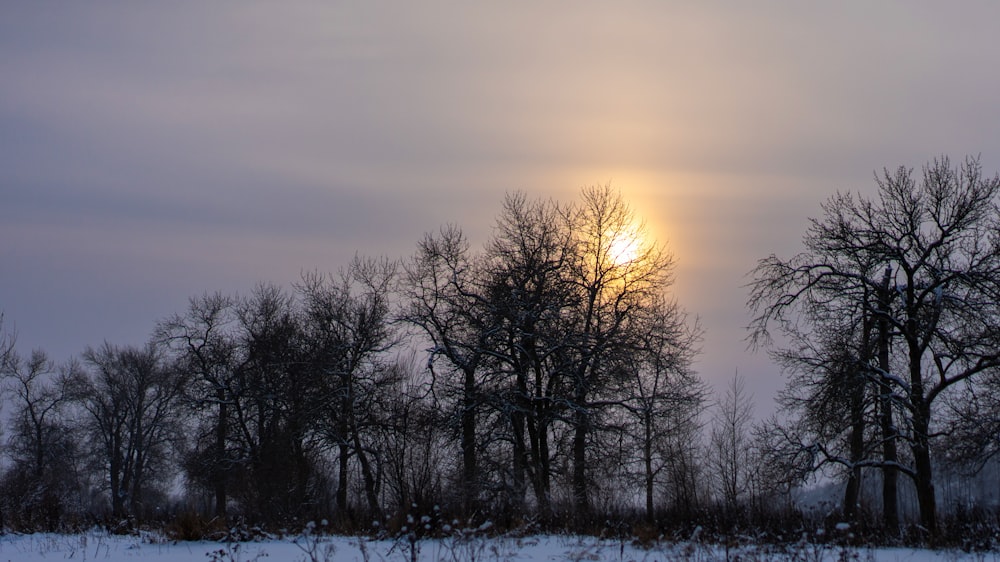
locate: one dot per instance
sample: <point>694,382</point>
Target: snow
<point>99,546</point>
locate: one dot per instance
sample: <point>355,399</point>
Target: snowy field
<point>112,548</point>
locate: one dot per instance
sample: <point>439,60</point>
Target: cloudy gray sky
<point>154,151</point>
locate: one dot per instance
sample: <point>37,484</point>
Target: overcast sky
<point>150,152</point>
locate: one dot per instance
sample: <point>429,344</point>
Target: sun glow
<point>625,246</point>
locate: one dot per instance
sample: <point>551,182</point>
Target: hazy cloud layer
<point>150,152</point>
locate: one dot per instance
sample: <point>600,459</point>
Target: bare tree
<point>350,328</point>
<point>837,355</point>
<point>730,451</point>
<point>276,403</point>
<point>931,285</point>
<point>416,447</point>
<point>40,399</point>
<point>664,400</point>
<point>205,351</point>
<point>616,272</point>
<point>443,301</point>
<point>40,483</point>
<point>541,329</point>
<point>527,296</point>
<point>130,410</point>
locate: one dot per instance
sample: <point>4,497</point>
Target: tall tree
<point>836,398</point>
<point>416,448</point>
<point>205,351</point>
<point>837,354</point>
<point>616,272</point>
<point>664,399</point>
<point>40,400</point>
<point>42,478</point>
<point>275,399</point>
<point>443,301</point>
<point>528,295</point>
<point>349,324</point>
<point>730,452</point>
<point>931,286</point>
<point>130,410</point>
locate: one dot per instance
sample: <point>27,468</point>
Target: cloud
<point>153,151</point>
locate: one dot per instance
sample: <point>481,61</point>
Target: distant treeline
<point>543,381</point>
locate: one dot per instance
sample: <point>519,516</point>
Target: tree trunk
<point>343,458</point>
<point>219,469</point>
<point>544,501</point>
<point>920,419</point>
<point>925,489</point>
<point>303,469</point>
<point>857,445</point>
<point>39,446</point>
<point>534,460</point>
<point>890,474</point>
<point>135,490</point>
<point>369,478</point>
<point>858,383</point>
<point>520,464</point>
<point>580,497</point>
<point>470,473</point>
<point>137,445</point>
<point>115,469</point>
<point>922,465</point>
<point>647,457</point>
<point>853,490</point>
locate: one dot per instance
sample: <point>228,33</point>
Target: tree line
<point>514,380</point>
<point>544,379</point>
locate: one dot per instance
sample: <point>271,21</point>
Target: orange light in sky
<point>625,246</point>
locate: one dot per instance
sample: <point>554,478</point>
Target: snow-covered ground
<point>113,548</point>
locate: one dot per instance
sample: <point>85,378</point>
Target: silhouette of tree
<point>205,352</point>
<point>615,273</point>
<point>921,264</point>
<point>129,400</point>
<point>43,482</point>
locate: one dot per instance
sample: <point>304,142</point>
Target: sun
<point>625,246</point>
